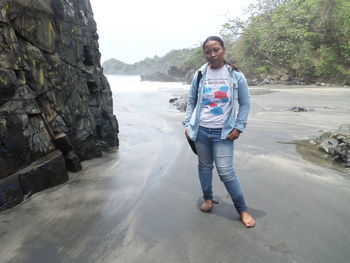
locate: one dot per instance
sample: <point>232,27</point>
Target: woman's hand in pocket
<point>234,134</point>
<point>186,133</point>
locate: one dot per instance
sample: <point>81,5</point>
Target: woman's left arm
<point>243,101</point>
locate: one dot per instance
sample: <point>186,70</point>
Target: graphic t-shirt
<point>216,98</point>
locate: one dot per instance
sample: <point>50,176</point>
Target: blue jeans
<point>211,148</point>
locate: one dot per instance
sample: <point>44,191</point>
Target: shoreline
<point>270,86</point>
<point>308,86</point>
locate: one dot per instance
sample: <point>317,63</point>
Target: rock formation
<point>336,145</point>
<point>53,94</point>
<point>180,102</point>
<point>300,109</point>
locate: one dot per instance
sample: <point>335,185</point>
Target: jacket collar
<point>204,68</point>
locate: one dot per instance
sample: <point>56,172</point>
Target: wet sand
<point>140,204</point>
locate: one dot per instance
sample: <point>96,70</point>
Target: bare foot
<point>207,206</point>
<point>247,219</point>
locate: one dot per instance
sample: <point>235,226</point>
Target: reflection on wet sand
<point>311,153</point>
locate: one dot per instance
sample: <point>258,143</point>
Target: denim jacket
<point>240,101</point>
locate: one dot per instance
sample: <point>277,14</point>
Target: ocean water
<point>142,107</point>
<point>129,83</point>
<point>130,94</point>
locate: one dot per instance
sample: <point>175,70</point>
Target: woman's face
<point>214,53</point>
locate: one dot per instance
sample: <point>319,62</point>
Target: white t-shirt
<point>216,98</point>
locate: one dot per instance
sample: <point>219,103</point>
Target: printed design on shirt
<point>206,90</point>
<point>217,111</point>
<point>206,102</point>
<point>213,99</point>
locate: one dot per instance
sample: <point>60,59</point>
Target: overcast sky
<point>132,30</point>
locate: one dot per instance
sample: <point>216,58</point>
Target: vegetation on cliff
<point>305,39</point>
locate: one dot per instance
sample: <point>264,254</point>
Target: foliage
<point>309,39</point>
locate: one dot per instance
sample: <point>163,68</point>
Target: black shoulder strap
<point>199,76</point>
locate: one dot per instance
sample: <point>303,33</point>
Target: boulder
<point>11,192</point>
<point>180,102</point>
<point>73,163</point>
<point>336,145</point>
<point>299,109</point>
<point>43,173</point>
<point>62,143</point>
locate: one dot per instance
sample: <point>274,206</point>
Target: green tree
<point>307,38</point>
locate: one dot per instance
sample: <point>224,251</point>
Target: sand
<point>140,204</point>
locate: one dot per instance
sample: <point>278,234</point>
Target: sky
<point>131,30</point>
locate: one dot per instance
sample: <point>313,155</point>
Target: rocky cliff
<point>53,94</point>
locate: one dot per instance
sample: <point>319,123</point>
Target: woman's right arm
<point>192,95</point>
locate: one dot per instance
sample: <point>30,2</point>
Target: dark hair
<point>213,38</point>
<point>221,42</point>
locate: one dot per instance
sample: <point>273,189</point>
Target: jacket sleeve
<point>192,94</point>
<point>243,101</point>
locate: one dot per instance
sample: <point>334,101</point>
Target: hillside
<point>156,68</point>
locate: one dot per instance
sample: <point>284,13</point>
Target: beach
<point>141,202</point>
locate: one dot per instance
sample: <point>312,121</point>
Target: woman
<point>216,114</point>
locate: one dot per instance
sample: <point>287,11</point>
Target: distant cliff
<point>177,65</point>
<point>116,67</point>
<point>53,94</point>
